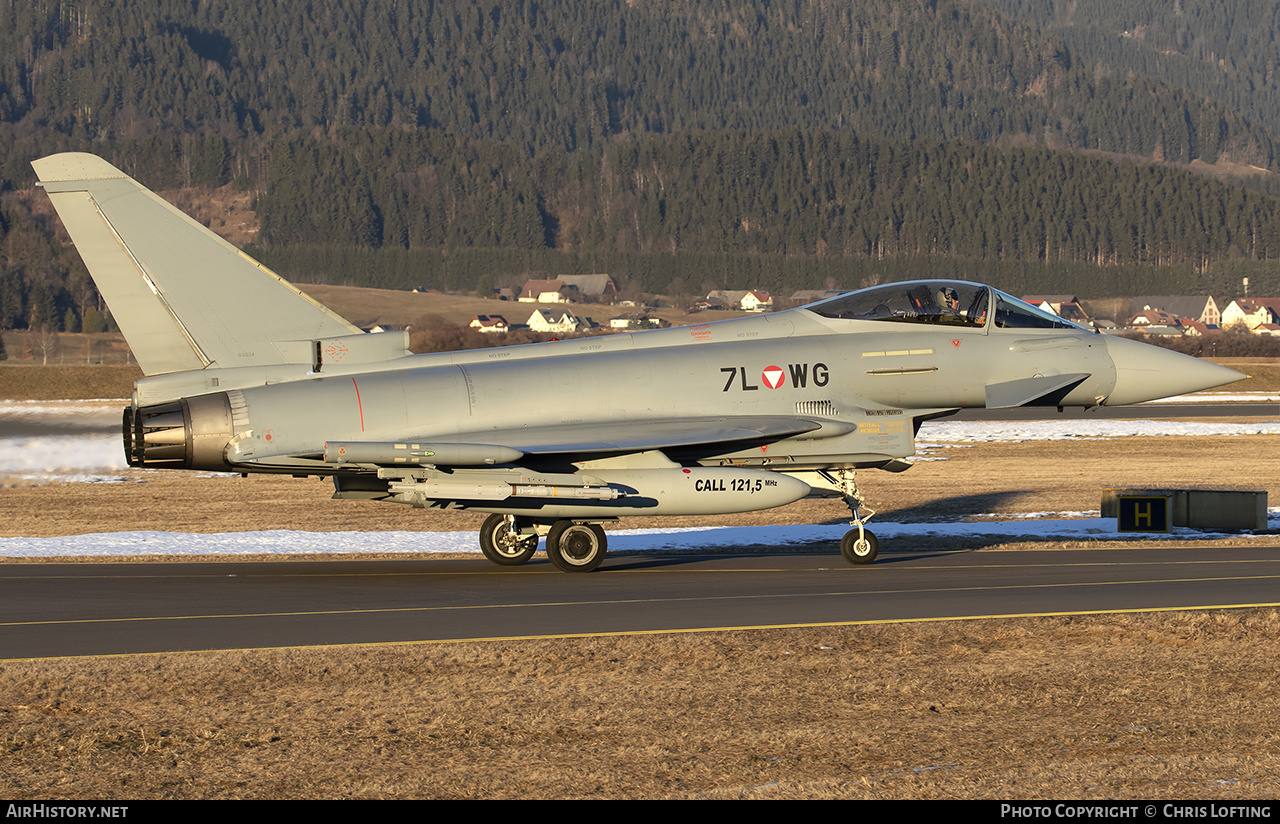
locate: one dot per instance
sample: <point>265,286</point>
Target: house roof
<point>1251,305</point>
<point>593,285</point>
<point>1183,306</point>
<point>1153,317</point>
<point>537,287</point>
<point>1073,312</point>
<point>733,296</point>
<point>1195,327</point>
<point>554,316</point>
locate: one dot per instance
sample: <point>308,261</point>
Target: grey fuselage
<point>822,393</point>
<point>246,373</point>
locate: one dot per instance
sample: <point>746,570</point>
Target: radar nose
<point>1146,373</point>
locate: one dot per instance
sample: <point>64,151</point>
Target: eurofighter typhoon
<point>245,373</point>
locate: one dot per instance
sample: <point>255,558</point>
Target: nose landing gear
<point>859,546</point>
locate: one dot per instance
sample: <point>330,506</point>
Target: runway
<point>54,610</point>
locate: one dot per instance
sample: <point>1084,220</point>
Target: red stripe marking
<point>359,405</point>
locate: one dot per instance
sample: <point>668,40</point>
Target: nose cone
<point>1146,373</point>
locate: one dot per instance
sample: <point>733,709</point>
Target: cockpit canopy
<point>939,303</point>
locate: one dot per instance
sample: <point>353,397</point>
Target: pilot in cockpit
<point>948,300</point>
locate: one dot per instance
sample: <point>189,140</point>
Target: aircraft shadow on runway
<point>623,561</point>
<point>941,510</point>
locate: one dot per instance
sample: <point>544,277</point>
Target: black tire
<point>501,547</point>
<point>576,547</point>
<point>859,552</point>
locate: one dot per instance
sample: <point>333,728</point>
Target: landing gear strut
<point>858,546</point>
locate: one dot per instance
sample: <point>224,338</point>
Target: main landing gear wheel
<point>501,546</point>
<point>859,548</point>
<point>576,547</point>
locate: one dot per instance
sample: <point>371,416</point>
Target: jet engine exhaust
<point>191,433</point>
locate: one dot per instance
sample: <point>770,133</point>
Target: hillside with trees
<point>458,145</point>
<point>1222,51</point>
<point>565,75</point>
<point>814,198</point>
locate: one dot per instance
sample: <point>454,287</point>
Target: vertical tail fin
<point>184,297</point>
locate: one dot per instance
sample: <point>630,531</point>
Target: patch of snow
<point>60,455</point>
<point>634,541</point>
<point>938,432</point>
<point>1222,397</point>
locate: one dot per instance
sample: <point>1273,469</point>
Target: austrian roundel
<point>773,376</point>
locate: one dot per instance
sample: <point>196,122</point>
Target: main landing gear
<point>572,546</point>
<point>502,542</point>
<point>858,546</point>
<point>576,547</point>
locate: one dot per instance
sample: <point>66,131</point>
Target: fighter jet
<point>245,373</point>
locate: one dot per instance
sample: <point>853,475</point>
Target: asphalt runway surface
<point>51,610</point>
<point>54,610</point>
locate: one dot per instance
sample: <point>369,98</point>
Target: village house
<point>1160,322</point>
<point>634,321</point>
<point>1153,317</point>
<point>1156,322</point>
<point>1066,307</point>
<point>1196,329</point>
<point>592,288</point>
<point>544,291</point>
<point>558,321</point>
<point>1200,308</point>
<point>754,300</point>
<point>490,324</point>
<point>570,289</point>
<point>1250,313</point>
<point>726,298</point>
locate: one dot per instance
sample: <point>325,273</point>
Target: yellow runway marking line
<point>665,570</point>
<point>604,602</point>
<point>683,631</point>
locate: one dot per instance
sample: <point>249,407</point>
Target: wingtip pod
<point>1147,373</point>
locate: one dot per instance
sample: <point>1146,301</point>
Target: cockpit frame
<point>940,303</point>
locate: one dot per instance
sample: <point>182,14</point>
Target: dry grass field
<point>365,307</point>
<point>1178,706</point>
<point>43,383</point>
<point>1174,706</point>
